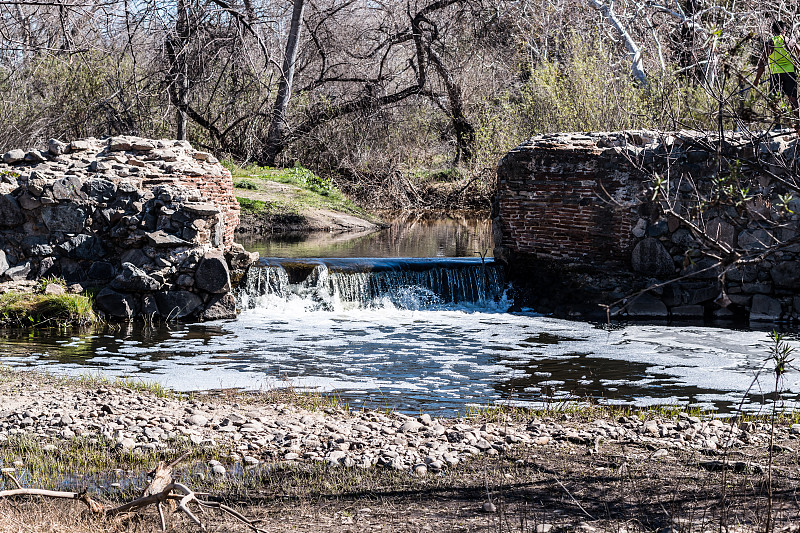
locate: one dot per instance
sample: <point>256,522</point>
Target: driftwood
<point>162,492</point>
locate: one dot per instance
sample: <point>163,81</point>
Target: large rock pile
<point>150,222</point>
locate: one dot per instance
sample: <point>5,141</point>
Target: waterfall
<point>331,284</point>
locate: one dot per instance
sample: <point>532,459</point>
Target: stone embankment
<point>580,218</point>
<point>259,431</point>
<point>149,222</point>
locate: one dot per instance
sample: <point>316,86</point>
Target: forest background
<point>398,103</point>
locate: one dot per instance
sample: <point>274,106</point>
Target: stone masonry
<point>578,224</point>
<point>149,223</point>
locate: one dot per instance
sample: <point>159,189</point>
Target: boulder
<point>220,307</point>
<point>101,270</point>
<point>177,304</point>
<point>68,188</point>
<point>99,189</point>
<point>69,218</point>
<point>116,304</point>
<point>133,279</point>
<point>786,275</point>
<point>212,274</point>
<point>18,272</point>
<point>28,201</point>
<point>136,257</point>
<point>13,156</point>
<point>765,309</point>
<point>10,212</point>
<point>56,147</point>
<point>646,306</point>
<point>87,247</point>
<point>649,257</point>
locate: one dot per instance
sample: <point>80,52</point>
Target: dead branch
<point>161,491</point>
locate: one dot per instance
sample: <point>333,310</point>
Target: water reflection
<point>406,236</point>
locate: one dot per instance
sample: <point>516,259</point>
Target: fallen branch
<point>162,490</point>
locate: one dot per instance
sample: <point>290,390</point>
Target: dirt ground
<point>608,486</point>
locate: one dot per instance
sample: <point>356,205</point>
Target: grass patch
<point>25,309</point>
<point>312,191</point>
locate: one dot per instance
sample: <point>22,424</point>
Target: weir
<point>347,283</point>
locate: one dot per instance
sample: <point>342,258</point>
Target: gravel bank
<point>255,430</point>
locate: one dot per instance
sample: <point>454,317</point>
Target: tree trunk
<point>277,126</point>
<point>182,70</point>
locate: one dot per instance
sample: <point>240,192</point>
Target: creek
<point>412,318</point>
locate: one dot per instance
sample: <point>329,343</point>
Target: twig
<point>573,499</point>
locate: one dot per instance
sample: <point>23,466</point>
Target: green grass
<point>25,309</point>
<point>313,191</point>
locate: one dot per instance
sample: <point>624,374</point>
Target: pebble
<point>489,507</point>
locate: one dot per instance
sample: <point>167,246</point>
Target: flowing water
<point>418,334</point>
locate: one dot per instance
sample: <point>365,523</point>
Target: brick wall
<point>567,202</point>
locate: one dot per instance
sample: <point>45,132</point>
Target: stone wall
<point>149,223</point>
<point>575,221</point>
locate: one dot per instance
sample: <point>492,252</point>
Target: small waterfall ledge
<point>403,283</point>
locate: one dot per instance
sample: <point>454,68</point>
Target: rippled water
<point>441,361</point>
<point>409,349</point>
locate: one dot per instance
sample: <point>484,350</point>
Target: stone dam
<point>580,224</point>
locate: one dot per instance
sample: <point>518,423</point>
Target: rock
<point>3,263</point>
<point>54,289</point>
<point>117,144</point>
<point>19,272</point>
<point>722,232</point>
<point>218,470</point>
<point>544,528</point>
<point>412,426</point>
<point>177,304</point>
<point>68,218</point>
<point>68,188</point>
<point>489,507</point>
<point>197,420</point>
<point>201,209</point>
<point>10,212</point>
<point>101,270</point>
<point>420,470</point>
<point>87,247</point>
<point>35,156</point>
<point>640,229</point>
<point>335,457</point>
<point>755,240</point>
<point>162,239</point>
<point>79,145</point>
<point>651,258</point>
<point>126,444</point>
<point>28,201</point>
<point>765,309</point>
<point>133,279</point>
<point>115,304</point>
<point>646,305</point>
<point>56,147</point>
<point>136,257</point>
<point>220,307</point>
<point>786,275</point>
<point>212,273</point>
<point>99,189</point>
<point>13,156</point>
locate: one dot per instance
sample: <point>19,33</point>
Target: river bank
<point>308,463</point>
